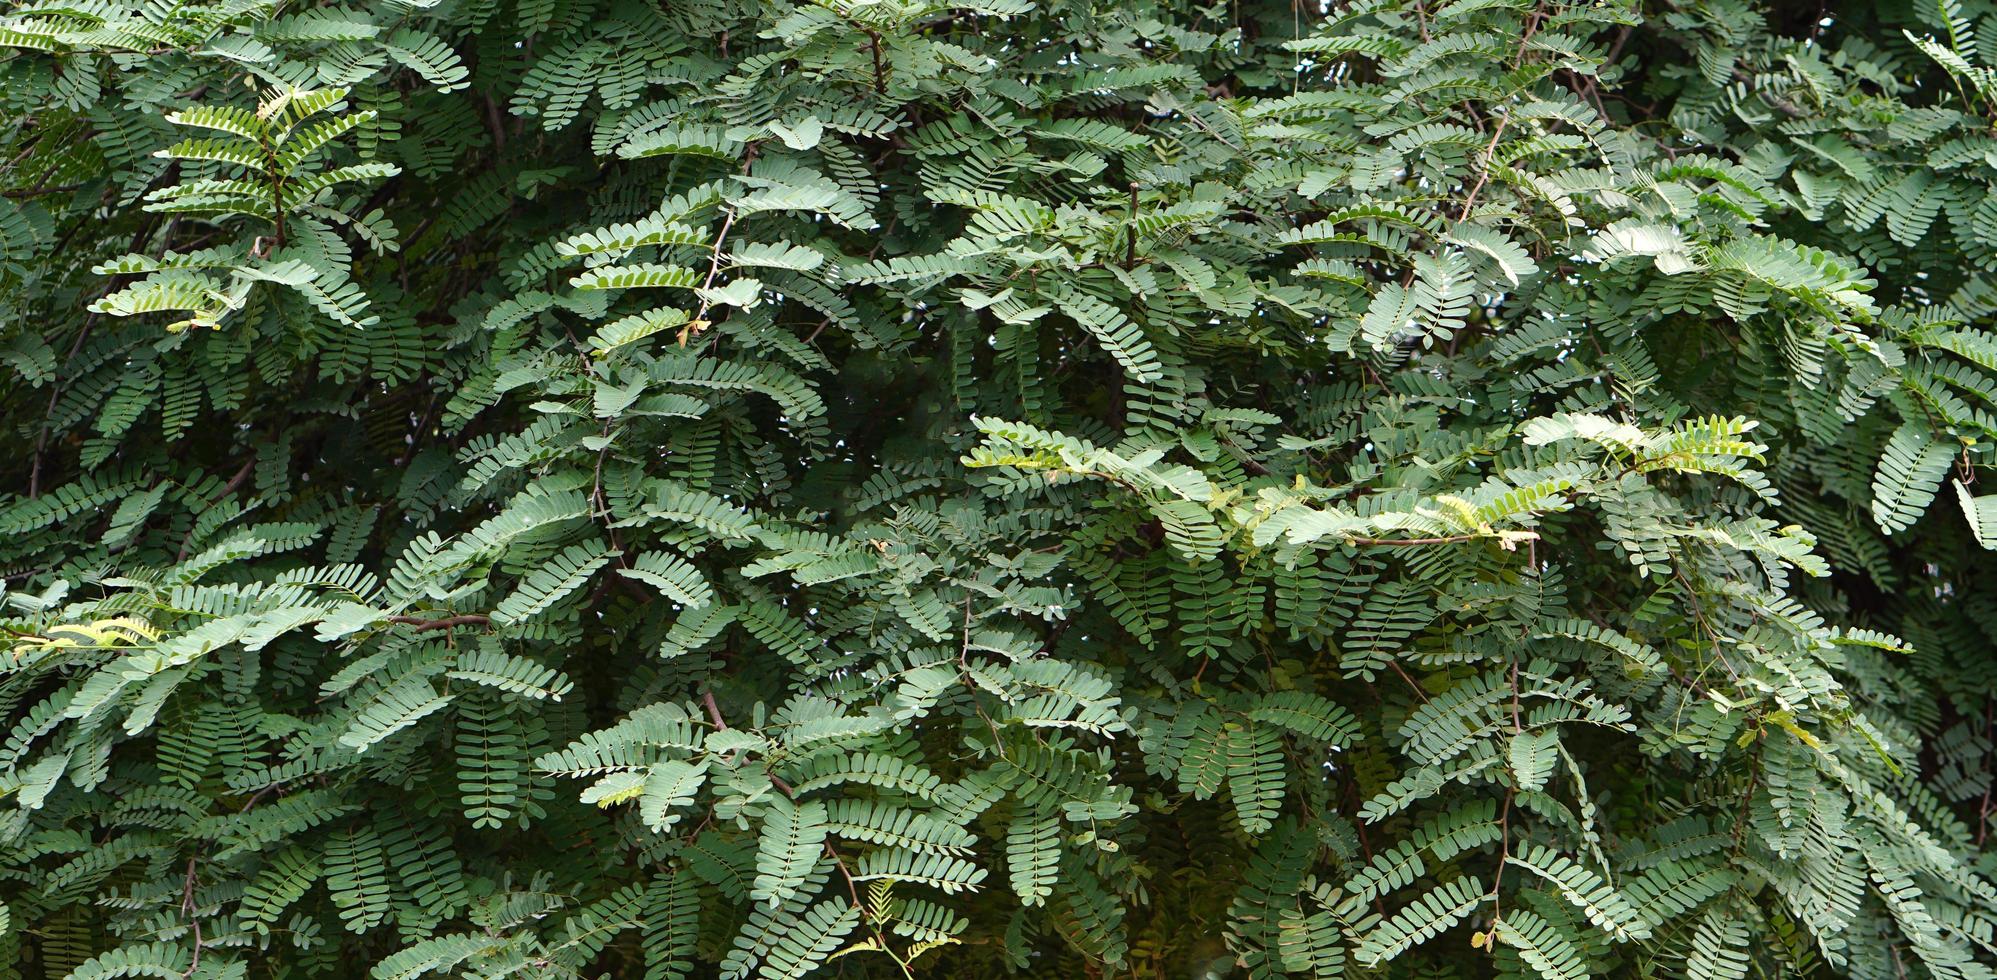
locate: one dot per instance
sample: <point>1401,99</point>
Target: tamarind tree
<point>892,488</point>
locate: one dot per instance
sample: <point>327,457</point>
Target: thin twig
<point>880,78</point>
<point>39,191</point>
<point>235,483</point>
<point>1983,813</point>
<point>427,625</point>
<point>187,905</point>
<point>55,394</point>
<point>838,860</point>
<point>1483,168</point>
<point>1409,542</point>
<point>1412,686</point>
<point>699,321</point>
<point>1504,858</point>
<point>1130,241</point>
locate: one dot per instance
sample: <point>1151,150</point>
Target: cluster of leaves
<point>559,488</point>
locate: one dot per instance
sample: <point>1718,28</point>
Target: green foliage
<point>1382,489</point>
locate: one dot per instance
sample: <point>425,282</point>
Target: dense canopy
<point>893,488</point>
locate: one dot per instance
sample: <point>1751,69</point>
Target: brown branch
<point>838,861</point>
<point>1130,240</point>
<point>55,393</point>
<point>39,191</point>
<point>426,625</point>
<point>415,435</point>
<point>880,79</point>
<point>257,797</point>
<point>1616,49</point>
<point>1747,800</point>
<point>699,321</point>
<point>235,483</point>
<point>1412,686</point>
<point>1504,858</point>
<point>1407,542</point>
<point>27,148</point>
<point>1983,812</point>
<point>1531,28</point>
<point>790,792</point>
<point>112,285</point>
<point>1483,168</point>
<point>496,124</point>
<point>193,920</point>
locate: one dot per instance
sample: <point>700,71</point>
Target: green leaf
<point>788,848</point>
